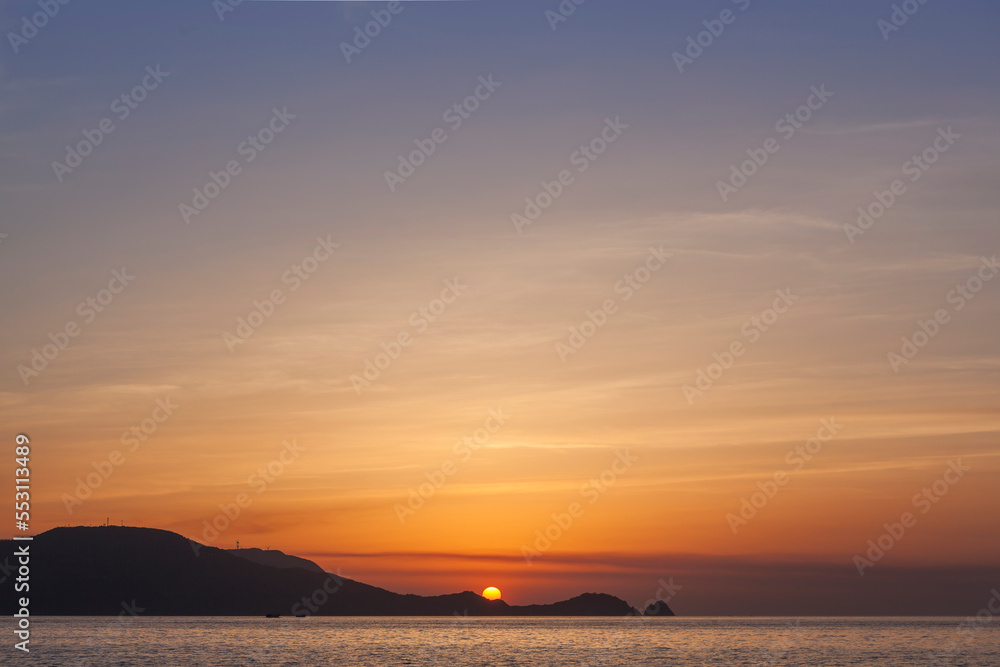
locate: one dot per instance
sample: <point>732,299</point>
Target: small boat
<point>300,615</point>
<point>272,616</point>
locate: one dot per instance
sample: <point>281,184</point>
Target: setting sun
<point>492,593</point>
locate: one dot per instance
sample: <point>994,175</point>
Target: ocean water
<point>462,642</point>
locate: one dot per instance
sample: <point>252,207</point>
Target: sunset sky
<point>484,304</point>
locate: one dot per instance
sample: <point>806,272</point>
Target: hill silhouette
<point>96,570</point>
<point>274,558</point>
<point>658,608</point>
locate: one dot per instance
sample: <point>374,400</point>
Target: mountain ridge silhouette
<point>82,571</point>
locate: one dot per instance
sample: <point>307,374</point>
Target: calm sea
<point>459,642</point>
